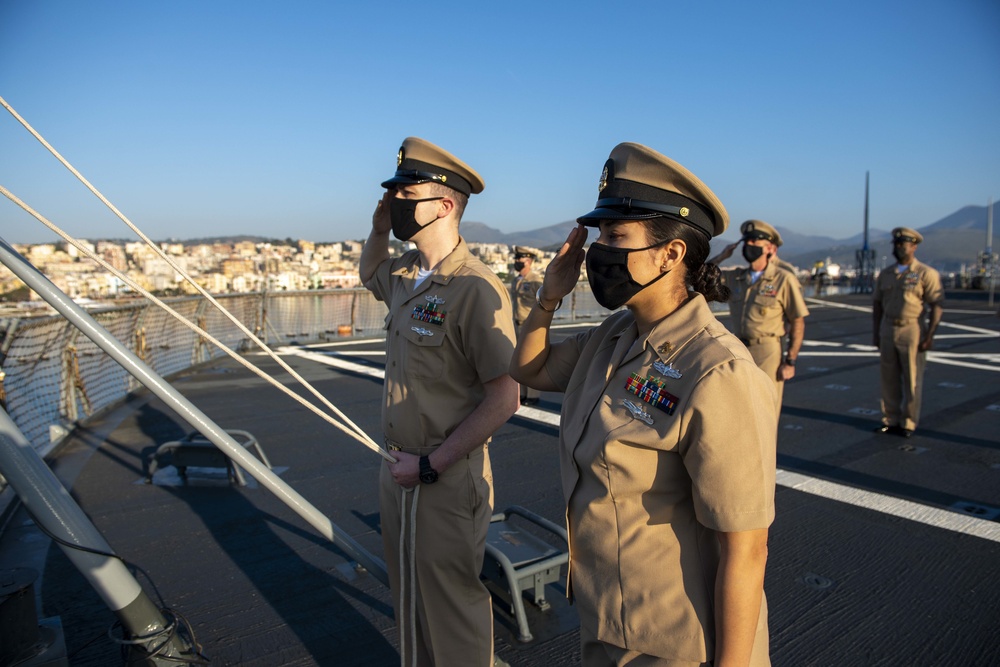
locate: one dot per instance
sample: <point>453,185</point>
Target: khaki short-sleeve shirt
<point>522,294</point>
<point>761,309</point>
<point>663,442</point>
<point>444,341</point>
<point>904,295</point>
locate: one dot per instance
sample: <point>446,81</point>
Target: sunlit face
<point>903,250</point>
<point>631,234</point>
<point>623,234</point>
<point>416,191</point>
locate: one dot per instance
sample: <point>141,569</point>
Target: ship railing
<point>52,377</point>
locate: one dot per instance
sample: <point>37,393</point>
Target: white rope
<point>355,433</point>
<point>408,562</point>
<point>176,267</point>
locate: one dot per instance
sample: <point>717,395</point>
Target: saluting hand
<point>563,272</point>
<point>380,219</point>
<point>728,251</point>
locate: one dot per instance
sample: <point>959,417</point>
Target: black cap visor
<point>758,236</point>
<point>593,219</point>
<point>413,172</point>
<point>626,208</point>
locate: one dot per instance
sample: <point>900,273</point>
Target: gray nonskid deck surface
<point>846,585</point>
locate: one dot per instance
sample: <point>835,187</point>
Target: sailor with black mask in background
<point>766,303</point>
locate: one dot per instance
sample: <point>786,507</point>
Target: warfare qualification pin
<point>667,369</point>
<point>637,412</point>
<point>435,299</point>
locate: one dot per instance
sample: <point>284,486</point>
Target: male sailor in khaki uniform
<point>449,339</point>
<point>523,288</point>
<point>766,300</point>
<point>902,295</point>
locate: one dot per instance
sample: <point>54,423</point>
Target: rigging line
<point>365,440</point>
<point>176,267</point>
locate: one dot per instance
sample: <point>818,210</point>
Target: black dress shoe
<point>529,401</point>
<point>904,432</point>
<point>886,429</point>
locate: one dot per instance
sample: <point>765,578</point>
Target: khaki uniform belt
<point>394,446</point>
<point>902,321</point>
<point>758,340</point>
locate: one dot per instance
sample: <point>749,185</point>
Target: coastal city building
<point>219,267</point>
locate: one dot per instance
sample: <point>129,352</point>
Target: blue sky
<point>280,119</point>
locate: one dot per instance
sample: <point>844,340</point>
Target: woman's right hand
<point>563,272</point>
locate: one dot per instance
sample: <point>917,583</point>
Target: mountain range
<point>953,241</point>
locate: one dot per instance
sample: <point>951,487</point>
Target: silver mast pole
<point>989,250</point>
<point>52,508</point>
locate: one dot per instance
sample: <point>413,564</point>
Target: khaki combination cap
<point>638,183</point>
<point>906,234</point>
<point>420,161</point>
<point>525,251</point>
<point>753,230</point>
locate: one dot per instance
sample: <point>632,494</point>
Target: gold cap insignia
<point>684,211</point>
<point>604,180</point>
<point>399,157</point>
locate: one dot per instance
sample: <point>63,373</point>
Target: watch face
<point>428,475</point>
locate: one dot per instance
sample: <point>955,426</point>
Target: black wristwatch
<point>790,362</point>
<point>428,475</point>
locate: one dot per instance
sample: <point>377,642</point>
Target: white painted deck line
<point>905,509</point>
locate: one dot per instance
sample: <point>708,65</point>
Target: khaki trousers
<point>595,653</point>
<point>767,353</point>
<point>454,613</point>
<point>902,372</point>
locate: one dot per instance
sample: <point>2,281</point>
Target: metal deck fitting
<point>195,450</point>
<point>521,561</point>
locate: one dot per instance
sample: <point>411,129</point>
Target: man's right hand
<point>728,251</point>
<point>381,222</point>
<point>724,254</point>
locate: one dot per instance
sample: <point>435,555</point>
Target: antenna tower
<point>864,279</point>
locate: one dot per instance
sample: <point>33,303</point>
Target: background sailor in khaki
<point>766,303</point>
<point>903,294</point>
<point>523,288</point>
<point>668,430</point>
<point>449,338</point>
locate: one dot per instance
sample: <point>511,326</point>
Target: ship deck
<point>884,550</point>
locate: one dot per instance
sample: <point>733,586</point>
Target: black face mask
<point>403,216</point>
<point>610,280</point>
<point>518,265</point>
<point>752,253</point>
